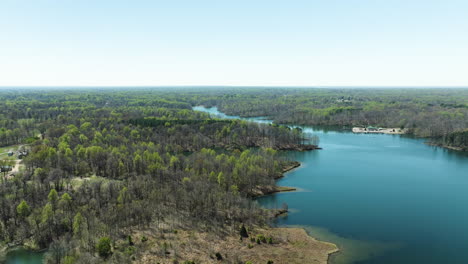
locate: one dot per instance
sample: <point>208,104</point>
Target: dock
<point>379,130</point>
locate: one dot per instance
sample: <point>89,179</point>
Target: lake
<point>380,198</point>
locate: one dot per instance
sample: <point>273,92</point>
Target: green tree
<point>78,222</point>
<point>53,196</point>
<point>123,196</point>
<point>103,247</point>
<point>221,179</point>
<point>173,162</point>
<point>234,189</point>
<point>40,174</point>
<point>65,201</point>
<point>138,163</point>
<point>23,209</point>
<point>47,213</point>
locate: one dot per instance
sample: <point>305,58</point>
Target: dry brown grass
<point>290,245</point>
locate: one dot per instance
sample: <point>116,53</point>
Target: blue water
<point>380,198</point>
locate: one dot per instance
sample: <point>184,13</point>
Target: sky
<point>234,42</point>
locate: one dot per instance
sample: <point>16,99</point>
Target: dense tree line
<point>103,162</point>
<point>458,140</point>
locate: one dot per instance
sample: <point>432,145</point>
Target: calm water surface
<point>380,198</point>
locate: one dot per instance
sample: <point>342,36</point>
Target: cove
<point>380,198</point>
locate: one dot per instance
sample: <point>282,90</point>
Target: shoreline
<point>262,244</point>
<point>278,212</point>
<point>297,147</point>
<point>292,166</point>
<point>268,190</point>
<point>444,146</point>
<point>271,189</point>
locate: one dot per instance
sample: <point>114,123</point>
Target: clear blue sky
<point>235,42</point>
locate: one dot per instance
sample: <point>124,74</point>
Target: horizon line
<point>237,86</point>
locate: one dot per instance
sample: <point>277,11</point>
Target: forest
<point>101,163</point>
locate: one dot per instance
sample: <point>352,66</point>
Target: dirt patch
<point>16,168</point>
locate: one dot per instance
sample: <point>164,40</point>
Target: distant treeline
<point>154,122</point>
<point>431,113</point>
